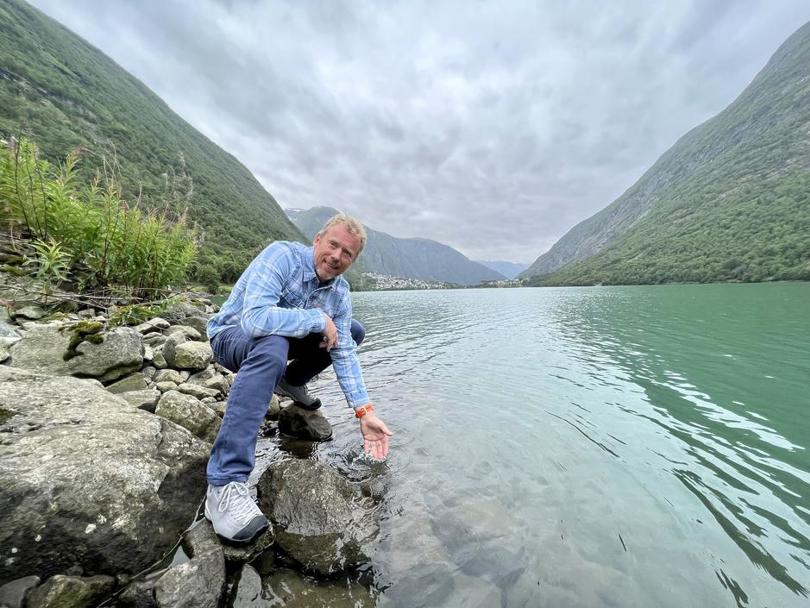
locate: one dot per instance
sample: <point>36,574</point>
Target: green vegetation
<point>66,95</point>
<point>89,229</point>
<point>730,201</point>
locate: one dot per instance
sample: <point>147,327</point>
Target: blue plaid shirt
<point>280,294</point>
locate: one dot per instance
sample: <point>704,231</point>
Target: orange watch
<point>362,411</point>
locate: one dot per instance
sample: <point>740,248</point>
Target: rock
<point>175,313</point>
<point>188,332</point>
<point>148,353</point>
<point>154,339</point>
<point>198,322</point>
<point>199,582</point>
<point>168,375</point>
<point>197,391</point>
<point>210,378</point>
<point>152,325</point>
<point>169,347</point>
<point>291,590</point>
<point>145,399</point>
<point>138,594</point>
<point>303,424</point>
<point>42,349</point>
<point>87,480</point>
<point>134,382</point>
<point>219,407</point>
<point>149,372</point>
<point>191,355</point>
<point>248,592</point>
<point>166,386</point>
<point>274,409</point>
<point>120,353</point>
<point>31,313</point>
<point>247,553</point>
<point>12,595</point>
<point>320,519</point>
<point>7,330</point>
<point>158,360</point>
<point>70,592</point>
<point>188,412</point>
<point>4,354</point>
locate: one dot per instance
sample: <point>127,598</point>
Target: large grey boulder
<point>303,424</point>
<point>199,582</point>
<point>70,592</point>
<point>319,518</point>
<point>190,413</point>
<point>12,595</point>
<point>191,355</point>
<point>145,399</point>
<point>87,480</point>
<point>42,349</point>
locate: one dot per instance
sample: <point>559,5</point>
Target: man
<point>290,303</point>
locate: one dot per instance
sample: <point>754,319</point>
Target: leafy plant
<point>50,264</point>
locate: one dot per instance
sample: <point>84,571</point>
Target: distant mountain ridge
<point>64,93</point>
<point>729,201</point>
<point>414,258</point>
<point>508,269</point>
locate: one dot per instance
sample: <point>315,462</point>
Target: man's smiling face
<point>334,251</point>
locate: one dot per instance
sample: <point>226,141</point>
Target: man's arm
<point>261,314</point>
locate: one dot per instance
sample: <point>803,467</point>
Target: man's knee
<point>270,350</point>
<point>358,332</point>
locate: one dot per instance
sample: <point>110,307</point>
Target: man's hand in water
<point>375,436</point>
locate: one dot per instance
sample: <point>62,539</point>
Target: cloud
<point>492,127</point>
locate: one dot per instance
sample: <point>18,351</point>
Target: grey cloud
<point>493,127</point>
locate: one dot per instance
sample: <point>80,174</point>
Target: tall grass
<point>110,243</point>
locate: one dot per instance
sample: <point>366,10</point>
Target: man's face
<point>335,251</point>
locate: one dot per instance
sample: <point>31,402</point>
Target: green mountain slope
<point>409,258</point>
<point>729,201</point>
<point>64,93</point>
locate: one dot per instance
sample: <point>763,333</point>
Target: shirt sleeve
<point>344,359</point>
<point>261,314</point>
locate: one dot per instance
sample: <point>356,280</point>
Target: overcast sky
<point>493,127</point>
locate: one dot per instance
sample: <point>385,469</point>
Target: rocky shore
<point>104,437</point>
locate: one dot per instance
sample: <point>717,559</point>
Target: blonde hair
<point>352,225</point>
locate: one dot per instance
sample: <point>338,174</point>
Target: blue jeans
<point>261,363</point>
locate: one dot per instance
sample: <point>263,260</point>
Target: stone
<point>166,386</point>
<point>88,481</point>
<point>12,595</point>
<point>154,339</point>
<point>70,591</point>
<point>319,518</point>
<point>148,352</point>
<point>200,392</point>
<point>190,413</point>
<point>158,360</point>
<point>200,582</point>
<point>4,354</point>
<point>137,594</point>
<point>175,313</point>
<point>168,375</point>
<point>248,591</point>
<point>198,322</point>
<point>152,325</point>
<point>120,353</point>
<point>7,330</point>
<point>149,372</point>
<point>274,409</point>
<point>247,553</point>
<point>188,332</point>
<point>42,349</point>
<point>134,382</point>
<point>210,378</point>
<point>169,348</point>
<point>31,313</point>
<point>145,399</point>
<point>219,408</point>
<point>191,355</point>
<point>303,424</point>
<point>292,590</point>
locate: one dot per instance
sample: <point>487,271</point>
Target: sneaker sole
<point>235,542</point>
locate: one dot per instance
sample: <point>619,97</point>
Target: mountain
<point>508,269</point>
<point>729,201</point>
<point>63,93</point>
<point>410,258</point>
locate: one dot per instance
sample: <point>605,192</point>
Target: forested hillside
<point>63,93</point>
<point>730,201</point>
<point>409,258</point>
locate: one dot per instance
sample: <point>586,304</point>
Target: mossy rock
<point>84,331</point>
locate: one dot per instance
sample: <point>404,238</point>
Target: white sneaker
<point>298,394</point>
<point>233,513</point>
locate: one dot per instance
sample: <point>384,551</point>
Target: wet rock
<point>248,593</point>
<point>12,595</point>
<point>303,424</point>
<point>191,355</point>
<point>133,382</point>
<point>291,590</point>
<point>190,413</point>
<point>200,582</point>
<point>145,399</point>
<point>138,594</point>
<point>247,553</point>
<point>88,481</point>
<point>70,592</point>
<point>319,518</point>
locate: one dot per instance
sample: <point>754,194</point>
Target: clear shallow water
<point>616,446</point>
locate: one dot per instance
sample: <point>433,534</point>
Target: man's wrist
<point>364,410</point>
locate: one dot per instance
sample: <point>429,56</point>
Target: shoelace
<point>236,499</point>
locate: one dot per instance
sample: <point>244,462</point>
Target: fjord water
<point>607,446</point>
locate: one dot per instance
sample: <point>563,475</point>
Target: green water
<point>613,446</point>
